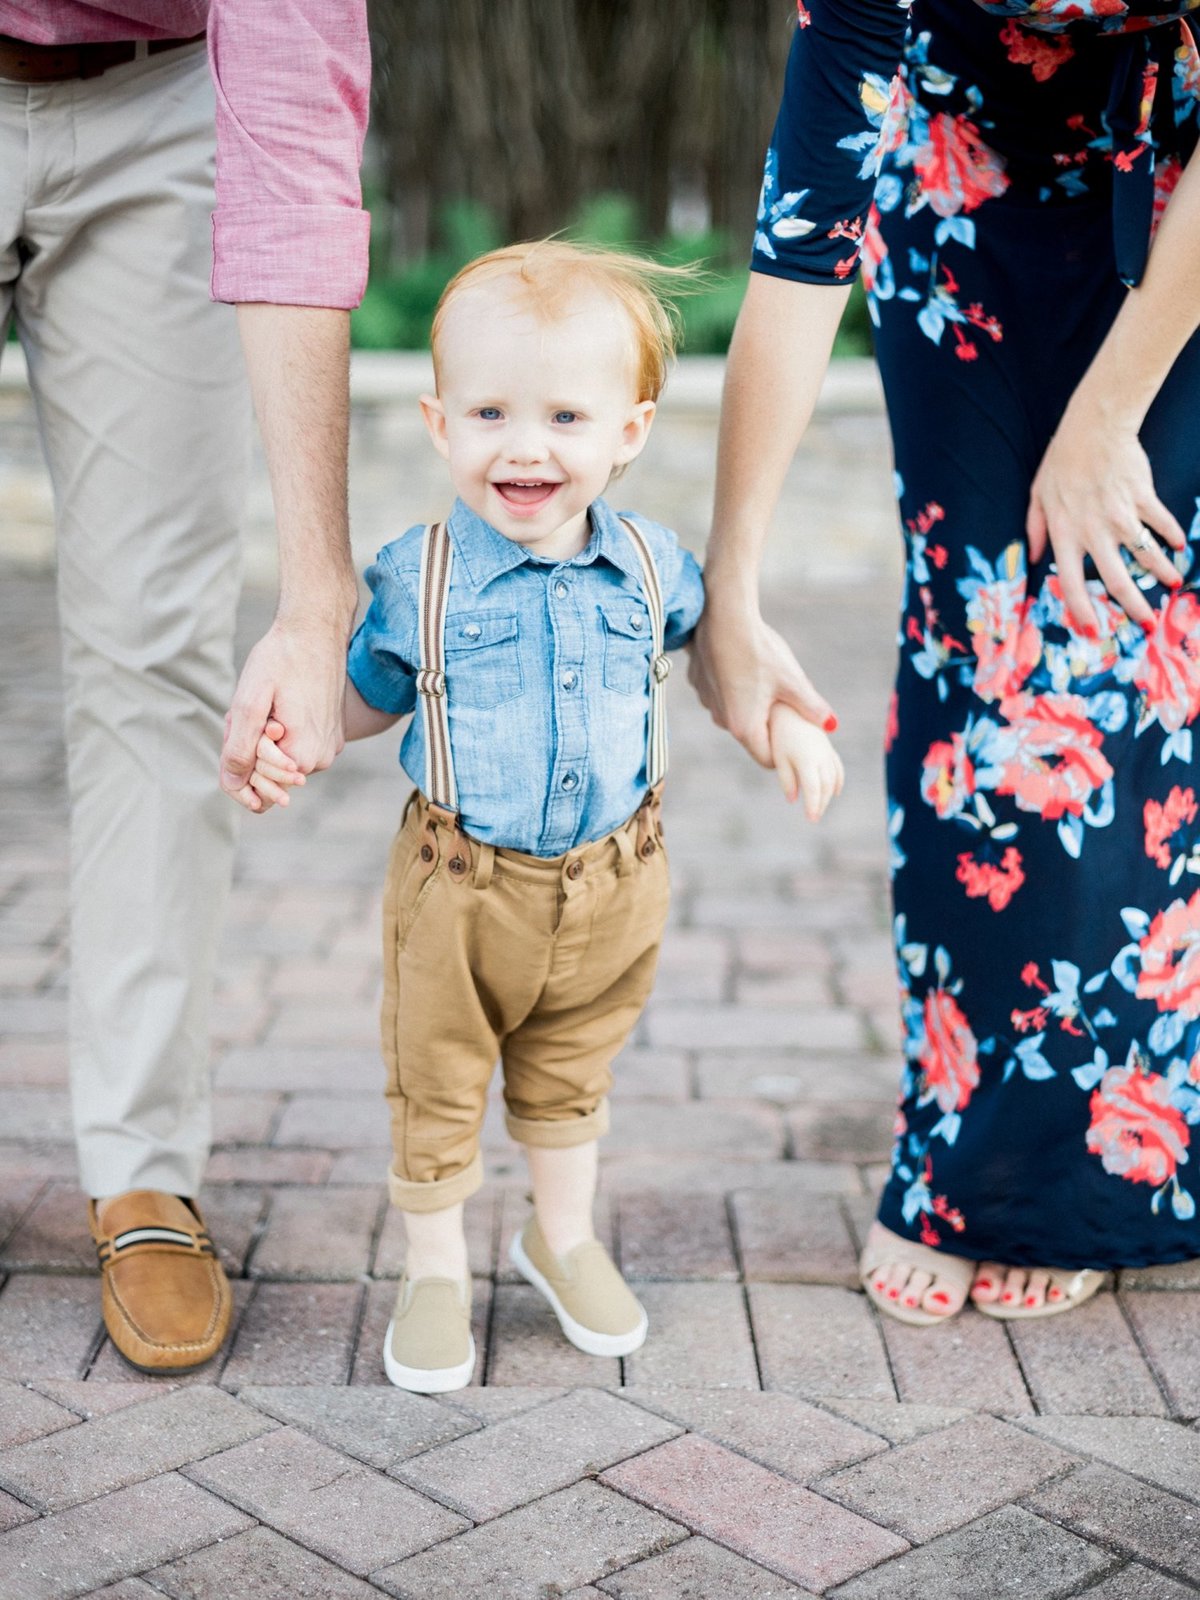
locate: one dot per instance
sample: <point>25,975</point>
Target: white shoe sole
<point>585,1339</point>
<point>426,1380</point>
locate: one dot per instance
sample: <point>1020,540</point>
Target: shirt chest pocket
<point>626,645</point>
<point>483,663</point>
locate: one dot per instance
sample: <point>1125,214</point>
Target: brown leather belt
<point>58,63</point>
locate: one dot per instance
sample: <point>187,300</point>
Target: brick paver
<point>564,1541</point>
<point>315,1496</point>
<point>771,1408</point>
<point>256,1565</point>
<point>700,1570</point>
<point>944,1479</point>
<point>376,1426</point>
<point>1130,1516</point>
<point>754,1512</point>
<point>76,1551</point>
<point>1010,1552</point>
<point>1166,1453</point>
<point>137,1442</point>
<point>534,1453</point>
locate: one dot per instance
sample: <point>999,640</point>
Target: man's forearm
<point>777,360</point>
<point>298,361</point>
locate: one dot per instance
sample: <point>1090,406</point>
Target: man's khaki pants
<point>105,196</point>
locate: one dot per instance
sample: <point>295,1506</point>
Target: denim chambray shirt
<point>547,673</point>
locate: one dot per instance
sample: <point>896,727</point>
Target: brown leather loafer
<point>164,1294</point>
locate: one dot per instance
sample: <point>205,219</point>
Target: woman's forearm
<point>777,360</point>
<point>1156,320</point>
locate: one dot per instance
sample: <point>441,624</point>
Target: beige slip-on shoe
<point>164,1294</point>
<point>595,1307</point>
<point>428,1346</point>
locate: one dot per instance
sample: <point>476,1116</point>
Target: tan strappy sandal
<point>1076,1288</point>
<point>893,1249</point>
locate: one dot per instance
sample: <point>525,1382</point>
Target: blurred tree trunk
<point>531,106</point>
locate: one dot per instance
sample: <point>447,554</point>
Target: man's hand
<point>740,666</point>
<point>296,675</point>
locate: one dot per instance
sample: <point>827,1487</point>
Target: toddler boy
<point>527,888</point>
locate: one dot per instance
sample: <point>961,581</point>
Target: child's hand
<point>804,760</point>
<point>274,772</point>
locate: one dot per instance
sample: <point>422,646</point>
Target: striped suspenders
<point>436,559</point>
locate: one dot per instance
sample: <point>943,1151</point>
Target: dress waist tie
<point>1141,120</point>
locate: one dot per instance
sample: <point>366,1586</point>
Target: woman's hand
<point>740,666</point>
<point>1093,495</point>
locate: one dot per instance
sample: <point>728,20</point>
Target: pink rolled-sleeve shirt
<point>292,79</point>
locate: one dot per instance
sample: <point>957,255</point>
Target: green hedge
<point>397,309</point>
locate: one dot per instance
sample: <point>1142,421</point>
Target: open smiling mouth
<point>524,496</point>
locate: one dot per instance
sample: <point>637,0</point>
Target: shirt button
<point>637,623</point>
<point>570,779</point>
<point>569,680</point>
<point>560,589</point>
<point>575,870</point>
<point>472,631</point>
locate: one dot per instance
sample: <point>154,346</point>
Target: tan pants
<point>545,963</point>
<point>105,197</point>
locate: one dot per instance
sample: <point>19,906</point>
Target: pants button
<point>457,864</point>
<point>426,852</point>
<point>575,870</point>
<point>648,848</point>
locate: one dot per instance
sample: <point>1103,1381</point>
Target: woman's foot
<point>1010,1292</point>
<point>910,1281</point>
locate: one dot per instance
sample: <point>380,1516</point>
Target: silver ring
<point>1144,540</point>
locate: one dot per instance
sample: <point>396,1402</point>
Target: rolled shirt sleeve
<point>824,154</point>
<point>292,81</point>
<point>382,661</point>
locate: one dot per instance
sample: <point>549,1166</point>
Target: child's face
<point>533,415</point>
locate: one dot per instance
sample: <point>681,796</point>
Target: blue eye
<point>566,416</point>
<point>488,413</point>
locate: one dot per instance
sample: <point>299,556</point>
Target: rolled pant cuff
<point>561,1133</point>
<point>439,1193</point>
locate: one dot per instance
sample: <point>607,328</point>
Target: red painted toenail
<point>879,1285</point>
<point>1056,1294</point>
<point>1008,1297</point>
<point>940,1298</point>
<point>893,1294</point>
<point>1031,1299</point>
<point>983,1283</point>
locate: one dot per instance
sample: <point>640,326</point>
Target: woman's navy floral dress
<point>1044,786</point>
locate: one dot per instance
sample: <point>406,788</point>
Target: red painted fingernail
<point>830,724</point>
<point>1148,627</point>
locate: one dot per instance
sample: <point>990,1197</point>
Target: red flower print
<point>949,1059</point>
<point>874,251</point>
<point>1170,974</point>
<point>998,883</point>
<point>893,721</point>
<point>957,171</point>
<point>1169,674</point>
<point>1135,1130</point>
<point>1049,754</point>
<point>1042,53</point>
<point>1006,643</point>
<point>1162,821</point>
<point>948,779</point>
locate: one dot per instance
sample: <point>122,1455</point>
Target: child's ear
<point>434,414</point>
<point>635,432</point>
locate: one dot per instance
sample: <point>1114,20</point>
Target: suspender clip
<point>431,682</point>
<point>662,667</point>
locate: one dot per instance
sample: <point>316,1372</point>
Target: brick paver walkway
<point>773,1438</point>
